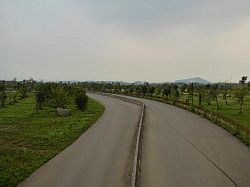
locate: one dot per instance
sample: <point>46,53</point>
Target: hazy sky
<point>148,40</point>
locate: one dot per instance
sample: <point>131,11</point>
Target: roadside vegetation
<point>226,104</point>
<point>31,129</point>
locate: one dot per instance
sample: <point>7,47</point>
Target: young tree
<point>208,94</point>
<point>215,94</point>
<point>241,92</point>
<point>3,96</point>
<point>175,93</point>
<point>201,93</point>
<point>40,95</point>
<point>191,92</point>
<point>23,89</point>
<point>59,98</point>
<point>15,97</point>
<point>225,91</point>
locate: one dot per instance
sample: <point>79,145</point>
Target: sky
<point>124,40</point>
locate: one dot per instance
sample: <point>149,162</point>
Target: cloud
<point>124,40</point>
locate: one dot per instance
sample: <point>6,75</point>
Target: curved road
<point>180,148</point>
<point>102,156</point>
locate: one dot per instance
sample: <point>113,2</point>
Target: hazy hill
<point>198,80</point>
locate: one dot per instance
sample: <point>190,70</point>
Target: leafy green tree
<point>81,101</point>
<point>151,90</point>
<point>40,95</point>
<point>23,89</point>
<point>143,90</point>
<point>158,90</point>
<point>175,93</point>
<point>131,89</point>
<point>243,80</point>
<point>59,98</point>
<point>167,91</point>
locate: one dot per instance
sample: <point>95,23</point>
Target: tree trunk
<point>226,99</point>
<point>200,99</point>
<point>192,99</point>
<point>241,105</point>
<point>217,102</point>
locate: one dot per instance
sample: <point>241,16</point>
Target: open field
<point>29,138</point>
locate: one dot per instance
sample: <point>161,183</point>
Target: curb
<point>137,156</point>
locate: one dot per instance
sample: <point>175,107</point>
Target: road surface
<point>102,156</point>
<point>180,148</point>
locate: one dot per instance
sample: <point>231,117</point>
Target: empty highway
<point>102,156</point>
<point>179,148</point>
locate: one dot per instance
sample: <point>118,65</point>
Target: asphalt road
<point>180,148</point>
<point>101,157</point>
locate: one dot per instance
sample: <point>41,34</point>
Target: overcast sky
<point>127,40</point>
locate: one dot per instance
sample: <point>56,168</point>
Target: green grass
<point>29,138</point>
<point>230,111</point>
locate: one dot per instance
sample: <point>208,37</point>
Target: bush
<point>59,98</point>
<point>40,97</point>
<point>81,101</point>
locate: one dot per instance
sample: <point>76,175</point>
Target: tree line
<point>49,94</point>
<point>173,92</point>
<point>60,94</point>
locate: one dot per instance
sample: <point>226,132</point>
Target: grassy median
<point>29,138</point>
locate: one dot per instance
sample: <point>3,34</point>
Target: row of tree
<point>170,91</point>
<point>55,95</point>
<point>59,94</point>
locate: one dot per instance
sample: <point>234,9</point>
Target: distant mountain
<point>138,83</point>
<point>197,80</point>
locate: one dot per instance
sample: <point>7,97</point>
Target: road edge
<point>137,157</point>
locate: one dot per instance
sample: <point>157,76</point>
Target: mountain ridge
<point>197,80</point>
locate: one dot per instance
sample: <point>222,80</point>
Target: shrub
<point>81,101</point>
<point>40,96</point>
<point>59,98</point>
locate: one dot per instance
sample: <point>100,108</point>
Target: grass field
<point>29,138</point>
<point>231,110</point>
